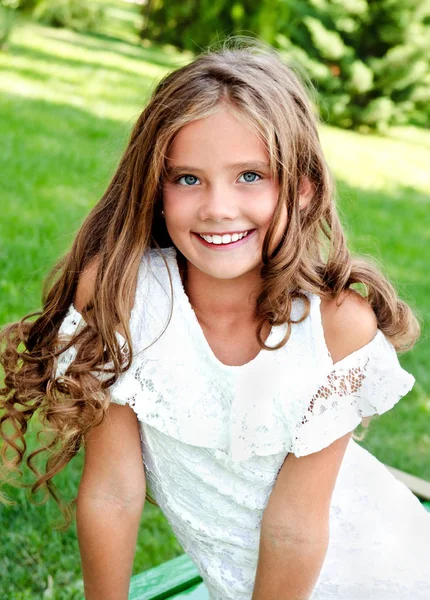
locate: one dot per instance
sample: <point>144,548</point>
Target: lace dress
<point>215,436</point>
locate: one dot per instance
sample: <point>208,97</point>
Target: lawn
<point>67,104</point>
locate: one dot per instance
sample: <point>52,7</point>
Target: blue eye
<point>186,177</point>
<point>252,175</point>
<point>194,179</point>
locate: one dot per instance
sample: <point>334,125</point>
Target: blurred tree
<point>27,5</point>
<point>73,14</point>
<point>79,15</point>
<point>377,53</point>
<point>369,59</point>
<point>8,10</point>
<point>146,13</point>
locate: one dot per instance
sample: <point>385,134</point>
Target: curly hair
<point>252,79</point>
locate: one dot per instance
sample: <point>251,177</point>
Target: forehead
<point>220,138</point>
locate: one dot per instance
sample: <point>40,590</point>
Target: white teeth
<point>223,239</point>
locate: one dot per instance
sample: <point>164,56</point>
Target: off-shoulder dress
<point>215,436</point>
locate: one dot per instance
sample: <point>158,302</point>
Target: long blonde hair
<point>270,97</point>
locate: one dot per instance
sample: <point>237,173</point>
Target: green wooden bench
<point>176,578</point>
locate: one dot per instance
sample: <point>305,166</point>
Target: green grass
<point>67,104</point>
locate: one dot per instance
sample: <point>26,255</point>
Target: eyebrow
<point>257,165</point>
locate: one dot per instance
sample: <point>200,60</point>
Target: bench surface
<point>418,486</point>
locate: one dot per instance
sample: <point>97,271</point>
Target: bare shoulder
<point>86,283</point>
<point>349,323</point>
<point>85,290</point>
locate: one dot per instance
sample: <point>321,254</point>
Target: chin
<point>226,271</point>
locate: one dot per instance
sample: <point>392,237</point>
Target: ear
<point>307,191</point>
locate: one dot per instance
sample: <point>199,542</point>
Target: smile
<point>218,242</point>
<point>223,239</point>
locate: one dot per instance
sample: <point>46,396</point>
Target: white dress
<point>215,436</point>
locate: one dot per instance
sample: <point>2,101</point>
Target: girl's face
<point>219,197</point>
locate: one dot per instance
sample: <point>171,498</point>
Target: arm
<point>109,505</point>
<point>294,533</point>
<point>275,580</point>
<point>112,491</point>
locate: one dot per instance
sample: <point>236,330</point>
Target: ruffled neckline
<point>276,333</point>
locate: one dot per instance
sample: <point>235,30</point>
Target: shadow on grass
<point>155,55</point>
<point>73,63</point>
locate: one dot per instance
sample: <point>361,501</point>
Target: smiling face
<point>219,189</point>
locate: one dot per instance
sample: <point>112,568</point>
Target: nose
<point>218,203</point>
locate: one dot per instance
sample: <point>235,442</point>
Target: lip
<point>224,247</point>
<point>222,232</point>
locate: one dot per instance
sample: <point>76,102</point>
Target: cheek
<point>280,228</point>
<point>176,211</point>
<point>271,203</point>
<point>260,209</point>
<point>269,211</point>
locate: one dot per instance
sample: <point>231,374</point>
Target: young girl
<point>205,319</point>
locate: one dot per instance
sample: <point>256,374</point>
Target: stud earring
<point>162,213</point>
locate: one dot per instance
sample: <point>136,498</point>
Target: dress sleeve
<point>121,392</point>
<point>72,324</point>
<point>367,382</point>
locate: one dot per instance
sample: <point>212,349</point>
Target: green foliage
<point>367,58</point>
<point>27,5</point>
<point>73,14</point>
<point>382,67</point>
<point>9,4</point>
<point>328,43</point>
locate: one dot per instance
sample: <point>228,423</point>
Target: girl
<point>205,319</point>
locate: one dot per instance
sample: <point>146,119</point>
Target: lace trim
<point>368,382</point>
<point>72,323</point>
<point>339,386</point>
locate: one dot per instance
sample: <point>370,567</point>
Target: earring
<point>162,213</point>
